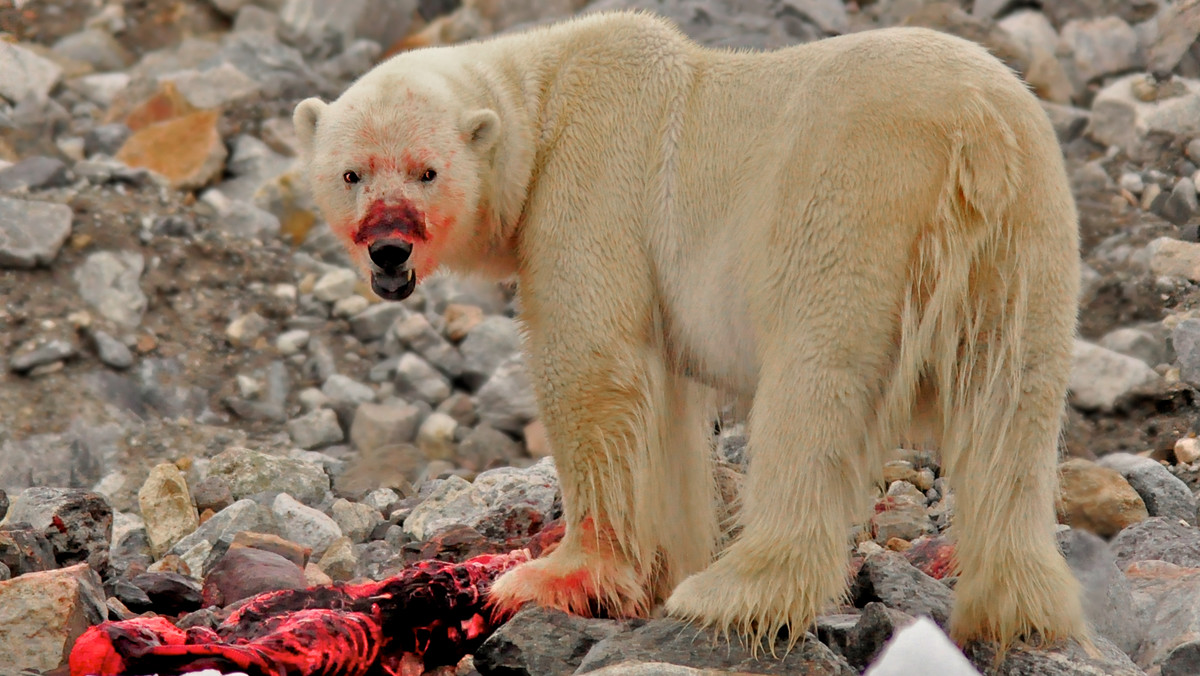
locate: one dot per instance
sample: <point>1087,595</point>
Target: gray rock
<point>1182,204</point>
<point>243,219</point>
<point>1186,339</point>
<point>355,520</point>
<point>889,577</point>
<point>111,351</point>
<point>1069,122</point>
<point>252,164</point>
<point>756,24</point>
<point>415,332</point>
<point>77,523</point>
<point>1169,257</point>
<point>105,138</point>
<point>1107,594</point>
<point>1182,660</point>
<point>26,75</point>
<point>110,281</point>
<point>95,47</point>
<point>1120,118</point>
<point>221,85</point>
<point>1133,11</point>
<point>101,89</point>
<point>305,525</point>
<point>872,630</point>
<point>1071,659</point>
<point>1100,47</point>
<point>507,401</point>
<point>77,457</point>
<point>335,285</point>
<point>373,323</point>
<point>1141,342</point>
<point>1165,605</point>
<point>417,380</point>
<point>1100,377</point>
<point>43,613</point>
<point>541,642</point>
<point>280,70</point>
<point>250,472</point>
<point>34,173</point>
<point>486,346</point>
<point>291,342</point>
<point>904,518</point>
<point>315,429</point>
<point>485,447</point>
<point>31,233</point>
<point>243,515</point>
<point>130,546</point>
<point>1164,493</point>
<point>678,643</point>
<point>380,499</point>
<point>492,498</point>
<point>37,353</point>
<point>252,18</point>
<point>330,26</point>
<point>377,425</point>
<point>1158,538</point>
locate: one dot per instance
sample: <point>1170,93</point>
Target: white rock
<point>335,285</point>
<point>1187,450</point>
<point>435,437</point>
<point>25,74</point>
<point>305,525</point>
<point>1099,377</point>
<point>921,648</point>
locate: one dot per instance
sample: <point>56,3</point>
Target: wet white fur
<point>856,235</point>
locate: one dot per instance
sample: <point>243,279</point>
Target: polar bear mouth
<point>393,286</point>
<point>392,277</point>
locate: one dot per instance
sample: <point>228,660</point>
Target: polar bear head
<point>401,167</point>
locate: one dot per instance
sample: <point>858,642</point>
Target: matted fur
<point>867,237</point>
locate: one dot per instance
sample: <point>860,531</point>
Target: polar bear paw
<point>755,602</point>
<point>582,583</point>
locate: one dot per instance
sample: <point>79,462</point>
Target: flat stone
<point>1186,340</point>
<point>498,500</point>
<point>111,351</point>
<point>223,85</point>
<point>249,472</point>
<point>1169,257</point>
<point>1107,595</point>
<point>37,353</point>
<point>32,233</point>
<point>305,525</point>
<point>1097,499</point>
<point>680,644</point>
<point>540,641</point>
<point>1163,493</point>
<point>41,615</point>
<point>1158,538</point>
<point>890,578</point>
<point>26,75</point>
<point>243,515</point>
<point>244,572</point>
<point>166,507</point>
<point>110,281</point>
<point>377,425</point>
<point>1101,377</point>
<point>1070,659</point>
<point>1120,118</point>
<point>187,150</point>
<point>507,401</point>
<point>315,429</point>
<point>76,522</point>
<point>34,173</point>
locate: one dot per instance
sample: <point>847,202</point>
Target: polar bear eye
<point>428,175</point>
<point>350,177</point>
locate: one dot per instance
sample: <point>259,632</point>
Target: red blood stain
<point>59,524</point>
<point>392,220</point>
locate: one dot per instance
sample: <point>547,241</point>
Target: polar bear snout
<point>389,255</point>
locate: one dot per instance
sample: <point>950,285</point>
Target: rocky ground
<point>191,370</point>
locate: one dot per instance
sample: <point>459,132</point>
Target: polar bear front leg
<point>804,486</point>
<point>628,440</point>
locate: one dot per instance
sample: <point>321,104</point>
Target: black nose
<point>389,254</point>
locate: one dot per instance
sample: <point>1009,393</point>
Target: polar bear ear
<point>481,127</point>
<point>305,119</point>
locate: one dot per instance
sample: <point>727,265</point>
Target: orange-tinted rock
<point>165,104</point>
<point>187,150</point>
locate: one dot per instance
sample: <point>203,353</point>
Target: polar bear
<point>850,235</point>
